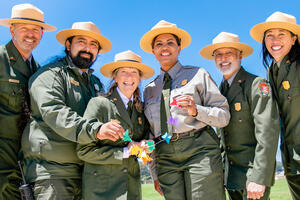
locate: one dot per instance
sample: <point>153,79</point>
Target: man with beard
<point>16,66</point>
<point>251,137</point>
<point>59,94</point>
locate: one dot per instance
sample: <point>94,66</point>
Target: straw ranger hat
<point>164,27</point>
<point>276,20</point>
<point>86,29</point>
<point>27,14</point>
<point>127,59</point>
<point>226,40</point>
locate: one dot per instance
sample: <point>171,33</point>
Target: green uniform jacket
<point>287,94</point>
<point>251,137</point>
<point>106,173</point>
<point>58,101</point>
<point>14,76</point>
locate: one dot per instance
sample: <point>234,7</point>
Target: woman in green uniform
<point>189,166</point>
<point>110,171</point>
<point>281,54</point>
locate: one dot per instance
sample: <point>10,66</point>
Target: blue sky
<point>124,22</point>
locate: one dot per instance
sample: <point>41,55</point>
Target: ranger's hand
<point>255,191</point>
<point>187,102</point>
<point>157,187</point>
<point>110,131</point>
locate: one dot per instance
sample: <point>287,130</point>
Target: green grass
<point>279,191</point>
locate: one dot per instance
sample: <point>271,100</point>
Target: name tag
<point>13,80</point>
<point>74,82</point>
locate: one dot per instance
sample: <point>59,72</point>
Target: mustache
<point>82,52</point>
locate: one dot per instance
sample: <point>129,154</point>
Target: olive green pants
<point>112,182</point>
<point>57,189</point>
<point>294,185</point>
<point>191,167</point>
<point>242,194</point>
<point>10,176</point>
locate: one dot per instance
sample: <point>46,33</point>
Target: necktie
<point>225,88</point>
<point>275,73</point>
<point>129,108</point>
<point>28,65</point>
<point>85,78</point>
<point>164,104</point>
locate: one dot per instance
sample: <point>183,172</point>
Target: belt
<point>177,136</point>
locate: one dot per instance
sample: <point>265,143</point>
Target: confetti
<point>175,103</point>
<point>151,145</point>
<point>173,121</point>
<point>166,137</point>
<point>126,137</point>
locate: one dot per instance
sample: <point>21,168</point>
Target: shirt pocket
<point>12,94</point>
<point>152,109</point>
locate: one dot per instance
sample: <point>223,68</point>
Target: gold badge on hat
<point>237,106</point>
<point>286,85</point>
<point>184,82</point>
<point>140,120</point>
<point>74,82</point>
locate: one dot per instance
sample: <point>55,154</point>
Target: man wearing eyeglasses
<point>251,137</point>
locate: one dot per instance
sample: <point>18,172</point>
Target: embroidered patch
<point>74,82</point>
<point>237,106</point>
<point>264,89</point>
<point>286,85</point>
<point>13,80</point>
<point>184,82</point>
<point>140,120</point>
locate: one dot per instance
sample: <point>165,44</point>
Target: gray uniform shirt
<point>213,109</point>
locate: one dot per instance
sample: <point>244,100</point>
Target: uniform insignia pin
<point>239,81</point>
<point>115,99</point>
<point>286,85</point>
<point>237,106</point>
<point>184,82</point>
<point>11,58</point>
<point>140,120</point>
<point>288,61</point>
<point>13,80</point>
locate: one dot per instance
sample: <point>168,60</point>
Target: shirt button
<point>289,97</point>
<point>240,120</point>
<point>125,170</point>
<point>227,148</point>
<point>225,133</point>
<point>230,162</point>
<point>95,173</point>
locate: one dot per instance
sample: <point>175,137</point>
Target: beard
<point>81,62</point>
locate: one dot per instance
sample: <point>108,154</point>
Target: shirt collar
<point>124,98</point>
<point>173,71</point>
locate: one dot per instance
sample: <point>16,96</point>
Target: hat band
<point>30,19</point>
<point>128,60</point>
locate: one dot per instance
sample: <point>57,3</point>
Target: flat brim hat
<point>276,20</point>
<point>161,28</point>
<point>87,29</point>
<point>225,40</point>
<point>27,14</point>
<point>127,59</point>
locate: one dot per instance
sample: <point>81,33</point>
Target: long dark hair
<point>294,53</point>
<point>136,94</point>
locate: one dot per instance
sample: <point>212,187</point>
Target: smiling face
<point>83,50</point>
<point>127,79</point>
<point>26,37</point>
<point>166,50</point>
<point>228,61</point>
<point>279,42</point>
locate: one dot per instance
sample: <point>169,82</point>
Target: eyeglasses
<point>219,55</point>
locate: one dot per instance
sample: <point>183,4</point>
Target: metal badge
<point>286,85</point>
<point>184,82</point>
<point>140,120</point>
<point>237,106</point>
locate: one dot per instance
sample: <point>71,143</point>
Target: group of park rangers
<point>68,133</point>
